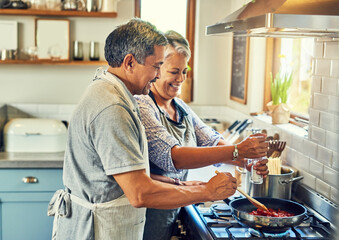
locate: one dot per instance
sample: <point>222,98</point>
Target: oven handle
<point>227,201</point>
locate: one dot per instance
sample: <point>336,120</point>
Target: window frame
<point>190,33</point>
<point>273,46</point>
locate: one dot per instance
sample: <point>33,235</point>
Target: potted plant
<point>278,107</point>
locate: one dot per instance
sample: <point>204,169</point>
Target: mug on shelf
<point>94,51</point>
<point>78,50</point>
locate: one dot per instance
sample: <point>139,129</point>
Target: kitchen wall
<point>314,155</point>
<point>213,58</point>
<point>53,83</point>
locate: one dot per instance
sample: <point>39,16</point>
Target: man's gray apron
<point>160,223</point>
<point>130,227</point>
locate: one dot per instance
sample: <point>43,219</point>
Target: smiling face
<point>147,73</point>
<point>173,74</point>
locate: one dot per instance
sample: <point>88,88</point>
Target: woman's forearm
<point>196,157</point>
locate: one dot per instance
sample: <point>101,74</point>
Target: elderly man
<point>106,168</point>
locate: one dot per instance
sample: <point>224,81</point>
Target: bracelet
<point>235,153</point>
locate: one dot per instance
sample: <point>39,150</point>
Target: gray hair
<point>137,37</point>
<point>179,43</point>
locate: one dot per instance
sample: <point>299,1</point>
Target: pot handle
<point>287,181</point>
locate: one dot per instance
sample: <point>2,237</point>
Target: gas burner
<point>220,207</point>
<point>258,233</point>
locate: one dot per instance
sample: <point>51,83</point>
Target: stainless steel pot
<point>274,186</point>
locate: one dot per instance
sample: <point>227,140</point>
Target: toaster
<point>34,135</point>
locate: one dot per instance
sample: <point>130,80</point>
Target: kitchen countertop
<point>31,160</point>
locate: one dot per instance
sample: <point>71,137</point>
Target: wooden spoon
<point>256,203</point>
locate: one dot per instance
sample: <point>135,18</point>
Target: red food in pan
<point>271,213</point>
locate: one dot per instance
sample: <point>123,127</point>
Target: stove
<point>214,220</point>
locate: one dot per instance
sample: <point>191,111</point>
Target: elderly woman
<point>178,140</point>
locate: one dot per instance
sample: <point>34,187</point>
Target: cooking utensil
<point>234,136</point>
<point>252,200</point>
<point>278,149</point>
<point>228,131</point>
<point>274,186</point>
<point>242,207</point>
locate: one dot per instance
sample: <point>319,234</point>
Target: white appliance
<point>34,135</point>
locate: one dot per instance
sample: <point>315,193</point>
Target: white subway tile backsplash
<point>316,169</point>
<point>301,161</point>
<point>48,108</point>
<point>286,136</point>
<point>297,143</point>
<point>310,149</point>
<point>31,109</point>
<point>332,140</point>
<point>333,104</point>
<point>331,176</point>
<point>314,116</point>
<point>318,135</point>
<point>327,120</point>
<point>311,101</point>
<point>55,111</point>
<point>329,86</point>
<point>322,67</point>
<point>66,108</point>
<point>316,84</point>
<point>335,68</point>
<point>335,161</point>
<point>290,156</point>
<point>324,156</point>
<point>318,49</point>
<point>320,101</point>
<point>331,50</point>
<point>322,187</point>
<point>308,180</point>
<point>334,194</point>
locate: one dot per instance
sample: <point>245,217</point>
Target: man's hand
<point>222,186</point>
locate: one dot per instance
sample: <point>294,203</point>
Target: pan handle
<point>287,181</point>
<point>306,217</point>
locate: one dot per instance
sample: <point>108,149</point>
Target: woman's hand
<point>260,167</point>
<point>221,186</point>
<point>254,146</point>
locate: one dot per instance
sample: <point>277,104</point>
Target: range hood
<point>282,18</point>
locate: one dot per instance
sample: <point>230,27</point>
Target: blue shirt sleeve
<point>160,141</point>
<point>206,136</point>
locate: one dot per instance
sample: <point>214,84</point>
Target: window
<point>170,15</point>
<point>294,55</point>
<point>177,15</point>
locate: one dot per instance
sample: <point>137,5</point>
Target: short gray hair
<point>179,43</point>
<point>137,37</point>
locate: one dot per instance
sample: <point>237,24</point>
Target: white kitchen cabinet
<point>24,197</point>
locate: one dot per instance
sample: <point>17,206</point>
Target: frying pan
<point>242,207</point>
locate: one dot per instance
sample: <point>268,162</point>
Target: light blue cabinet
<point>24,197</point>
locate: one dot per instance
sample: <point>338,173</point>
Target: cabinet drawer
<point>30,180</point>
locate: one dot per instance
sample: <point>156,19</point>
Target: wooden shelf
<point>33,12</point>
<point>50,62</point>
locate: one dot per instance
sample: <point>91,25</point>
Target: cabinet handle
<point>29,179</point>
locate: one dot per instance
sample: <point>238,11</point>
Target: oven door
<point>191,225</point>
